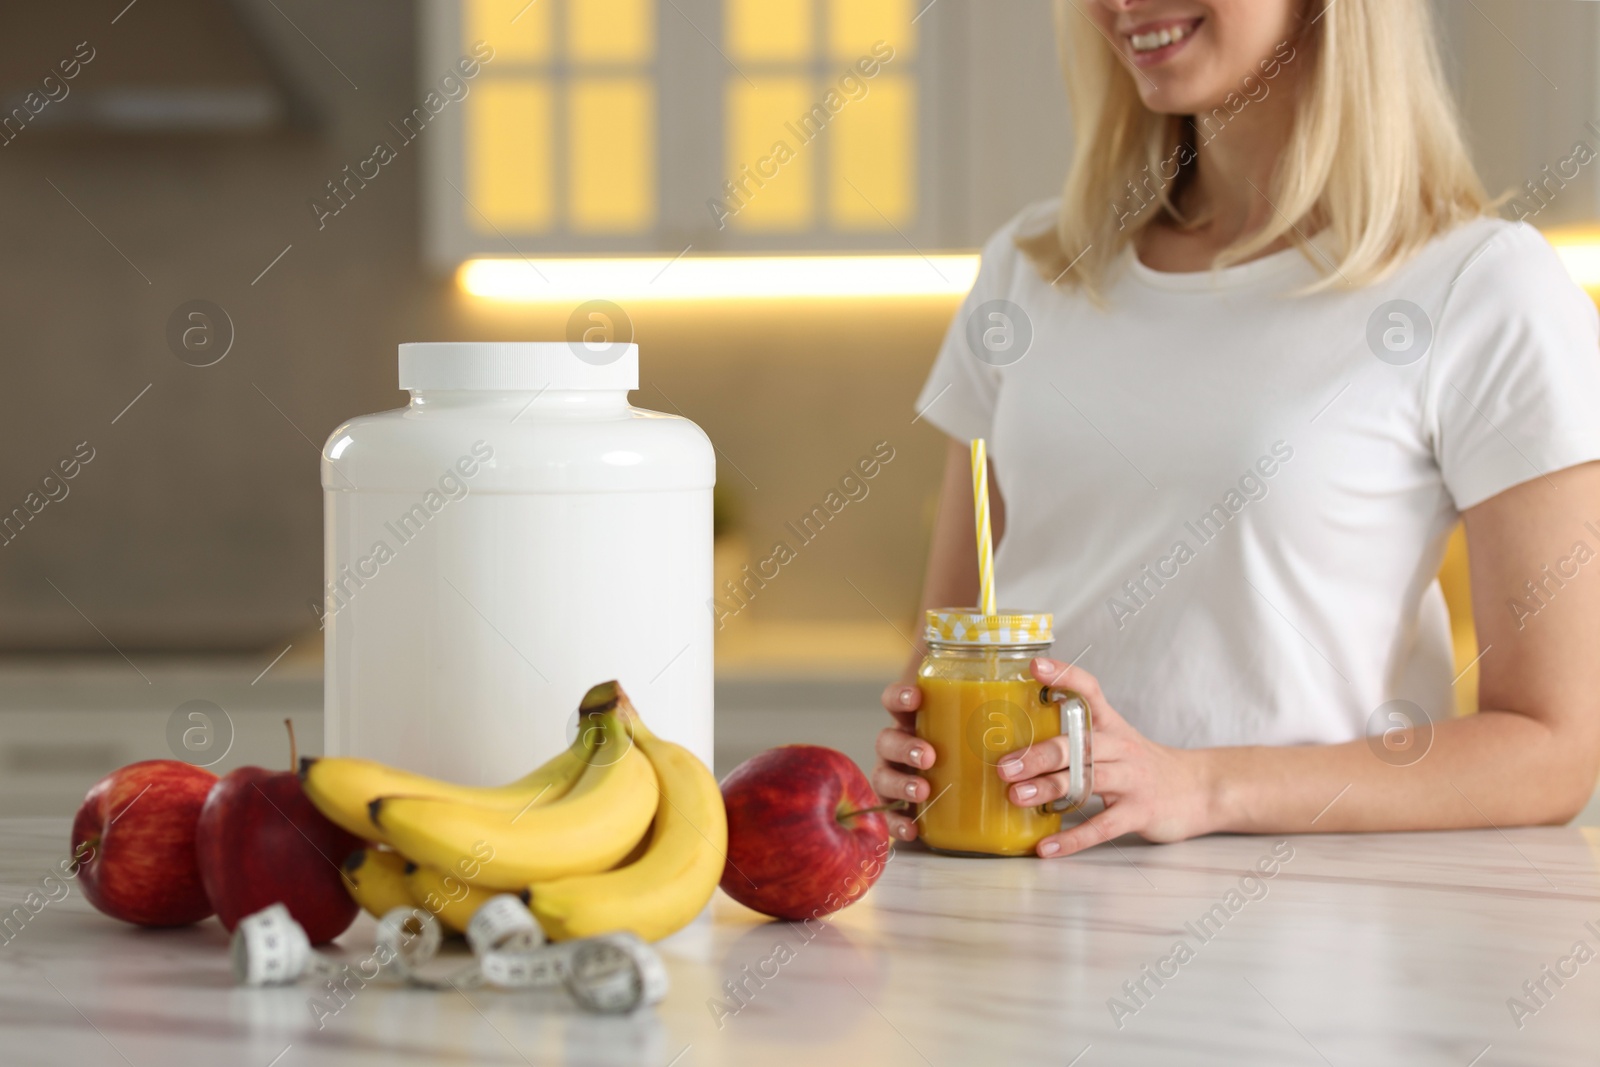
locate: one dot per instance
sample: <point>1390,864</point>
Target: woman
<point>1279,348</point>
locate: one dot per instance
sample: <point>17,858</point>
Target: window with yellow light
<point>561,132</point>
<point>757,125</point>
<point>820,116</point>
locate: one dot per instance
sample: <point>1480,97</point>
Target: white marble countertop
<point>1382,949</point>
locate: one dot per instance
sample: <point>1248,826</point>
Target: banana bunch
<point>622,831</point>
<point>343,788</point>
<point>380,880</point>
<point>376,879</point>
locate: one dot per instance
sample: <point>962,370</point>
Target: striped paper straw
<point>980,507</point>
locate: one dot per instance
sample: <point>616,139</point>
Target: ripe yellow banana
<point>589,829</point>
<point>447,896</point>
<point>667,886</point>
<point>343,788</point>
<point>376,880</point>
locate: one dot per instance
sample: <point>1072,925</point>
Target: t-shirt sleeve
<point>960,393</point>
<point>1515,386</point>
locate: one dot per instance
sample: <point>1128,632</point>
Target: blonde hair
<point>1375,153</point>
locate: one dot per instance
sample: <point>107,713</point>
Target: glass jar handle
<point>1075,724</point>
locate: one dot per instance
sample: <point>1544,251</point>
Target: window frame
<point>690,78</point>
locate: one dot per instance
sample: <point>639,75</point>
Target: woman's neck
<point>1231,188</point>
<point>1233,177</point>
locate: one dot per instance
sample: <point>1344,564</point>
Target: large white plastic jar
<point>515,535</point>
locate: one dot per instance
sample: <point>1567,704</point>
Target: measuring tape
<point>613,973</point>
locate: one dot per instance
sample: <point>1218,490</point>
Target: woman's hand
<point>1159,793</point>
<point>901,753</point>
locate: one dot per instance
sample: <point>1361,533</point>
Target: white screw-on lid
<point>492,365</point>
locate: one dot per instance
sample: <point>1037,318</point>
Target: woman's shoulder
<point>1497,260</point>
<point>1000,249</point>
<point>1498,291</point>
<point>1033,219</point>
<point>1003,260</point>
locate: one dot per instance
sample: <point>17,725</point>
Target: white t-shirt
<point>1233,506</point>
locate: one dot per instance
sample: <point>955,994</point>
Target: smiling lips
<point>1155,42</point>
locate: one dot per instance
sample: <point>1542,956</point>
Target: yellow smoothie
<point>977,709</point>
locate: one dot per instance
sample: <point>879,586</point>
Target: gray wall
<point>197,523</point>
<point>1524,72</point>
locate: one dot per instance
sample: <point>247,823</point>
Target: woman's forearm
<point>1495,768</point>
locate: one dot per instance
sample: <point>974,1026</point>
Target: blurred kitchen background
<point>222,216</point>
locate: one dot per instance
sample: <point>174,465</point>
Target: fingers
<point>1040,790</point>
<point>895,745</point>
<point>1111,779</point>
<point>1042,758</point>
<point>1054,672</point>
<point>1067,676</point>
<point>896,785</point>
<point>900,699</point>
<point>901,827</point>
<point>1114,821</point>
<point>899,750</point>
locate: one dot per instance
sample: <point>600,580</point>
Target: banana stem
<point>609,697</point>
<point>602,697</point>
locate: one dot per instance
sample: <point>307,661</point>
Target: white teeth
<point>1149,42</point>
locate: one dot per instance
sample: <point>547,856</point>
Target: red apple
<point>134,838</point>
<point>261,842</point>
<point>805,833</point>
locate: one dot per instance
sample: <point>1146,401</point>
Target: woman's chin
<point>1171,99</point>
<point>1177,96</point>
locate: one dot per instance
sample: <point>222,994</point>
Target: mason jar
<point>981,703</point>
